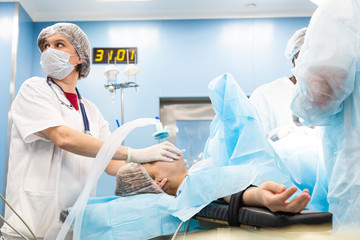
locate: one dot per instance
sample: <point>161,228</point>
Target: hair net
<point>295,43</point>
<point>76,37</point>
<point>133,179</point>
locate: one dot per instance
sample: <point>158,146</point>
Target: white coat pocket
<point>39,210</point>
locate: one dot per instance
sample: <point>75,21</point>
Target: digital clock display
<point>109,55</point>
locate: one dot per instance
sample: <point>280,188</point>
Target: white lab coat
<point>272,102</point>
<point>42,178</point>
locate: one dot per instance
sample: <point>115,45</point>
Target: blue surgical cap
<point>295,43</point>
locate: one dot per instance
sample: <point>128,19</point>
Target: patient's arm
<point>275,197</point>
<point>114,166</point>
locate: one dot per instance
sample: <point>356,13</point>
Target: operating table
<point>217,214</point>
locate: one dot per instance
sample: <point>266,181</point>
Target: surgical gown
<point>272,102</point>
<point>299,147</point>
<point>328,94</point>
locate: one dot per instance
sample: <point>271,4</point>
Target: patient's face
<point>168,175</point>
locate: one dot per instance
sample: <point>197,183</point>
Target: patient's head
<point>154,177</point>
<point>168,175</point>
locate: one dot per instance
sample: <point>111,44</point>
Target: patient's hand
<point>275,197</point>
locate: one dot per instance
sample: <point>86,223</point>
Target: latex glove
<point>284,131</point>
<point>165,151</point>
<point>186,164</point>
<point>281,132</point>
<point>297,121</point>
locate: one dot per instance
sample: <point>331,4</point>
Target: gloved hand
<point>186,164</point>
<point>160,152</point>
<point>280,132</point>
<point>284,131</point>
<point>297,120</point>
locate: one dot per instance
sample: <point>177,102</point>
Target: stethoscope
<point>70,106</point>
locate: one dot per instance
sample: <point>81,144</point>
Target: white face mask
<point>56,63</point>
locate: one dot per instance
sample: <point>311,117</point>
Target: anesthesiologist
<point>328,94</point>
<point>272,101</point>
<point>56,134</point>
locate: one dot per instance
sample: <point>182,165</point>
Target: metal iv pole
<point>112,84</point>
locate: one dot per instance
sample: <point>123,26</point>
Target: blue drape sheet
<point>241,156</point>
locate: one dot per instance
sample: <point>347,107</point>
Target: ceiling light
<point>318,2</point>
<point>123,0</point>
<point>250,5</point>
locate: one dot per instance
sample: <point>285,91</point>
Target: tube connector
<point>161,133</point>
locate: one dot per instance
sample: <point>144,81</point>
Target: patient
<point>160,177</point>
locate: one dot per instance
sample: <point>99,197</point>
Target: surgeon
<point>328,94</point>
<point>299,147</point>
<point>272,100</point>
<point>56,134</point>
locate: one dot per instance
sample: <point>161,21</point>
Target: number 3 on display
<point>103,55</point>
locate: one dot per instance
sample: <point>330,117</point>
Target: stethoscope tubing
<point>70,106</point>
